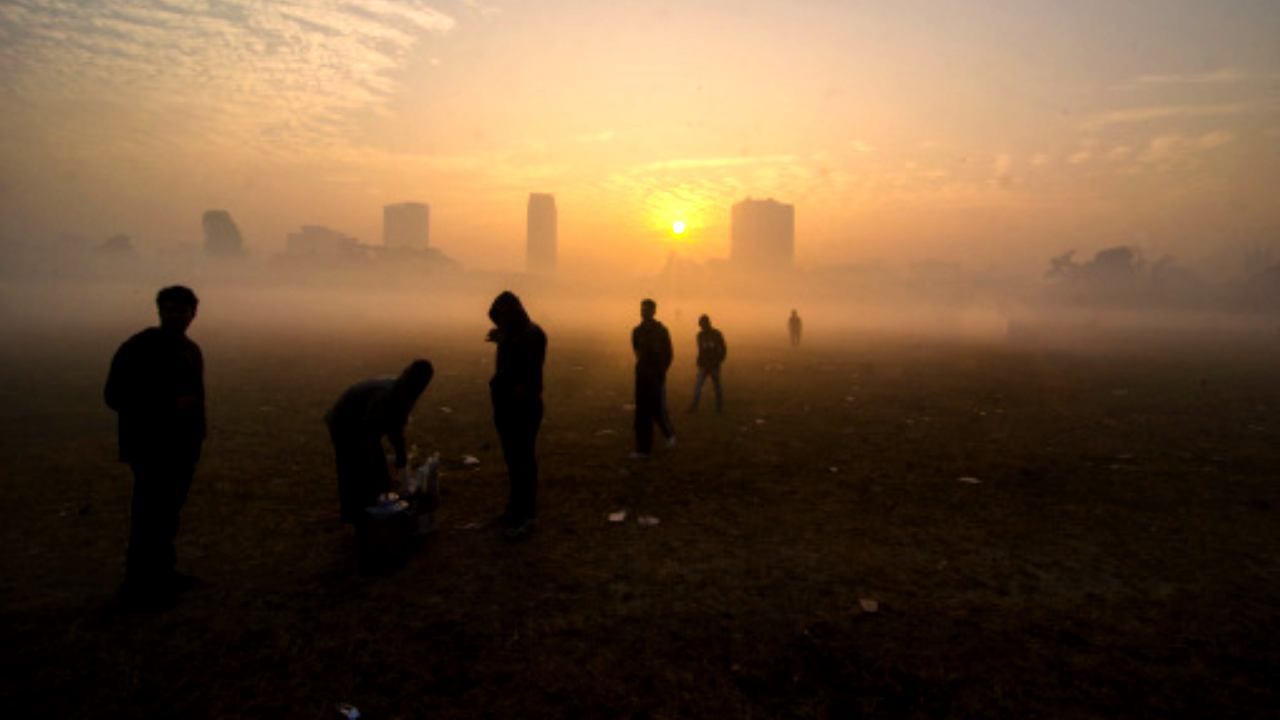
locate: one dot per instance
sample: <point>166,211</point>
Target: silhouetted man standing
<point>794,326</point>
<point>156,387</point>
<point>516,392</point>
<point>362,416</point>
<point>652,345</point>
<point>711,353</point>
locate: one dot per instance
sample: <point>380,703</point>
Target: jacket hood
<point>508,313</point>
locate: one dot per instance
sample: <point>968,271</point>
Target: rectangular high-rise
<point>763,235</point>
<point>540,253</point>
<point>406,225</point>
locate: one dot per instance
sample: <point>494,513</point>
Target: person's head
<point>177,307</point>
<point>507,312</point>
<point>648,308</point>
<point>411,384</point>
<point>704,322</point>
<point>793,312</point>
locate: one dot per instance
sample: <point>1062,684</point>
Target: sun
<point>677,227</point>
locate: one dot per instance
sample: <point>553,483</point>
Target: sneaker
<point>671,441</point>
<point>521,531</point>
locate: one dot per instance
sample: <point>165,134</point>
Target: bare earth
<point>1118,556</point>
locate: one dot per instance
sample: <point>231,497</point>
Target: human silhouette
<point>711,353</point>
<point>362,416</point>
<point>516,392</point>
<point>794,326</point>
<point>156,388</point>
<point>652,345</point>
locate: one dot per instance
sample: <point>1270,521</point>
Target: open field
<point>1118,557</point>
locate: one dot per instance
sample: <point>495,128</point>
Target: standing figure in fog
<point>652,345</point>
<point>516,392</point>
<point>711,353</point>
<point>367,412</point>
<point>794,327</point>
<point>156,387</point>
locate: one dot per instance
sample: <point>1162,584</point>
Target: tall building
<point>763,235</point>
<point>320,241</point>
<point>406,225</point>
<point>221,236</point>
<point>540,254</point>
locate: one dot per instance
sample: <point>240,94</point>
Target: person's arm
<point>668,353</point>
<point>396,438</point>
<point>724,348</point>
<point>118,388</point>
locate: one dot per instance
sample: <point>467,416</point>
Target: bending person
<point>365,414</point>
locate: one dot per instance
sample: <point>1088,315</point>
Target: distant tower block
<point>541,250</point>
<point>221,236</point>
<point>406,226</point>
<point>763,235</point>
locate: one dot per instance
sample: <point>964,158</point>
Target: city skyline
<point>977,133</point>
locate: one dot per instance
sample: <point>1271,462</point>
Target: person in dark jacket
<point>652,345</point>
<point>156,388</point>
<point>711,353</point>
<point>794,327</point>
<point>516,392</point>
<point>366,413</point>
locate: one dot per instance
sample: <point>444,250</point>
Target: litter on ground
<point>868,605</point>
<point>617,517</point>
<point>969,480</point>
<point>470,460</point>
<point>647,521</point>
<point>350,712</point>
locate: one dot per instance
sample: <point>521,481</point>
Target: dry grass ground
<point>1118,557</point>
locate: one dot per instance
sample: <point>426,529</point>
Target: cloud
<point>1040,159</point>
<point>1166,150</point>
<point>1131,116</point>
<point>233,72</point>
<point>1080,157</point>
<point>1224,76</point>
<point>1118,153</point>
<point>714,163</point>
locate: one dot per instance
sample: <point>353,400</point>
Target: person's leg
<point>645,411</point>
<point>697,388</point>
<point>715,384</point>
<point>178,475</point>
<point>348,461</point>
<point>144,559</point>
<point>663,415</point>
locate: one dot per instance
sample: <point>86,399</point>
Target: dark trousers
<point>703,374</point>
<point>362,472</point>
<point>518,431</point>
<point>651,407</point>
<point>160,487</point>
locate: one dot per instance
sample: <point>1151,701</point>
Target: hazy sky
<point>984,131</point>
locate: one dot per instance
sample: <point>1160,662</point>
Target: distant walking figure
<point>367,412</point>
<point>156,387</point>
<point>711,353</point>
<point>794,327</point>
<point>652,345</point>
<point>516,392</point>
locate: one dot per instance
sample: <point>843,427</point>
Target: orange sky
<point>996,132</point>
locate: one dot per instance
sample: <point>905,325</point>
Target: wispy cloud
<point>238,71</point>
<point>1165,150</point>
<point>1131,116</point>
<point>1224,76</point>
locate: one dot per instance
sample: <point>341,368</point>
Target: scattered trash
<point>469,526</point>
<point>446,409</point>
<point>868,605</point>
<point>619,516</point>
<point>470,460</point>
<point>350,712</point>
<point>834,469</point>
<point>760,421</point>
<point>606,431</point>
<point>969,480</point>
<point>647,521</point>
<point>848,398</point>
<point>629,407</point>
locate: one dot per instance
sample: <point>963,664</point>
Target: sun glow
<point>677,227</point>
